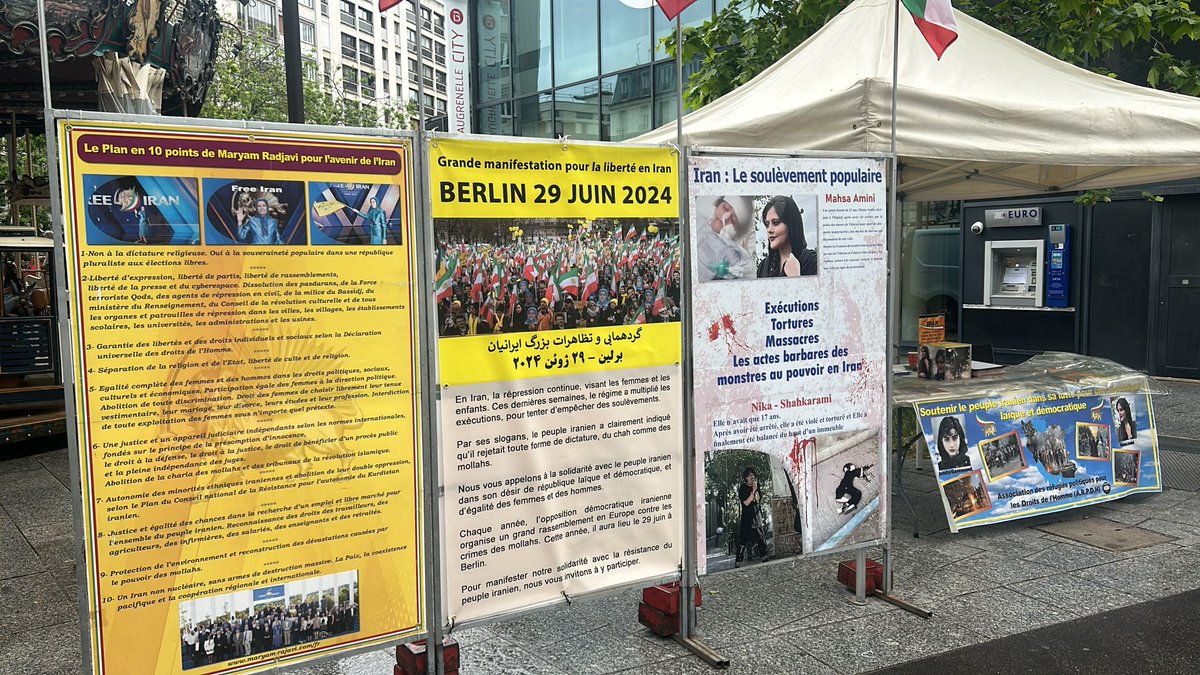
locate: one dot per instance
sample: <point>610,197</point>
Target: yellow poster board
<point>557,298</point>
<point>246,369</point>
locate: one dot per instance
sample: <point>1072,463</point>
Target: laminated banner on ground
<point>789,259</point>
<point>245,365</point>
<point>1025,454</point>
<point>557,292</point>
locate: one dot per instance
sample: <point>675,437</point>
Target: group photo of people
<point>254,621</point>
<point>748,237</point>
<point>552,274</point>
<point>1002,456</point>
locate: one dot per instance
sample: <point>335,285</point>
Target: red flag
<point>385,5</point>
<point>671,8</point>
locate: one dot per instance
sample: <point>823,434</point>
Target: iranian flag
<point>641,315</point>
<point>568,282</point>
<point>631,234</point>
<point>660,300</point>
<point>935,20</point>
<point>444,284</point>
<point>477,286</point>
<point>590,285</point>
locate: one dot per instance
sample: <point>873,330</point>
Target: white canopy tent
<point>994,118</point>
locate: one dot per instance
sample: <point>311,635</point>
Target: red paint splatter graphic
<point>796,456</point>
<point>725,327</point>
<point>863,386</point>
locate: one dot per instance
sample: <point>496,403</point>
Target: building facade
<point>360,52</point>
<point>585,69</point>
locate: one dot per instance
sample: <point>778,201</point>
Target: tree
<point>1140,42</point>
<point>248,85</point>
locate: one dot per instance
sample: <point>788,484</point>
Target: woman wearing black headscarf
<point>788,253</point>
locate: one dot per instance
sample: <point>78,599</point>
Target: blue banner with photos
<point>1015,456</point>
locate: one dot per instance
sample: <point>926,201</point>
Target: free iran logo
<point>456,15</point>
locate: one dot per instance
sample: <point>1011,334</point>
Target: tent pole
<point>893,239</point>
<point>687,620</point>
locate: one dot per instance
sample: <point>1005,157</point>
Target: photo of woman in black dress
<point>750,539</point>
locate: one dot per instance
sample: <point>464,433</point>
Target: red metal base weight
<point>846,576</point>
<point>410,657</point>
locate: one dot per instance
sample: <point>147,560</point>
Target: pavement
<point>1005,598</point>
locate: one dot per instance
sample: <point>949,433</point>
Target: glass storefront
<point>930,253</point>
<point>589,69</point>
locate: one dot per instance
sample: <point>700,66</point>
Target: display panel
<point>557,293</point>
<point>247,417</point>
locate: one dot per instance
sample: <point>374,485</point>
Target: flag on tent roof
<point>935,20</point>
<point>671,8</point>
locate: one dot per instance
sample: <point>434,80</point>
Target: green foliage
<point>24,215</point>
<point>248,84</point>
<point>1138,42</point>
<point>1093,197</point>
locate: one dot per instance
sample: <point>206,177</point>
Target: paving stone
<point>777,654</point>
<point>1072,557</point>
<point>1185,535</point>
<point>368,663</point>
<point>928,589</point>
<point>1000,612</point>
<point>1075,594</point>
<point>1000,567</point>
<point>31,602</point>
<point>21,463</point>
<point>601,653</point>
<point>34,498</point>
<point>50,650</point>
<point>17,557</point>
<point>1104,533</point>
<point>58,463</point>
<point>1148,577</point>
<point>497,656</point>
<point>545,627</point>
<point>880,640</point>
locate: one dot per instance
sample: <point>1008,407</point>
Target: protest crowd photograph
<point>498,277</point>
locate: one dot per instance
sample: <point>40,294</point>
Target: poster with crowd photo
<point>790,362</point>
<point>1022,455</point>
<point>246,423</point>
<point>557,295</point>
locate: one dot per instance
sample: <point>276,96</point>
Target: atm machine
<point>1018,272</point>
<point>1012,272</point>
